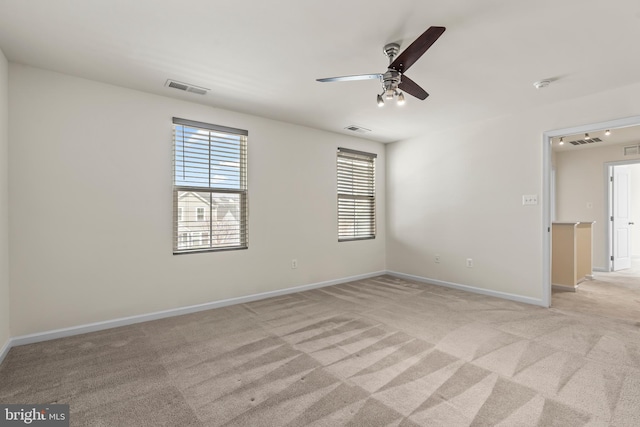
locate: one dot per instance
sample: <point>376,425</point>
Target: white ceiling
<point>262,57</point>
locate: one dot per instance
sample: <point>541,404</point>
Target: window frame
<point>362,189</point>
<point>210,190</point>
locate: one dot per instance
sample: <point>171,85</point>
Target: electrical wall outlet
<point>294,263</point>
<point>530,199</point>
<point>469,262</point>
<point>436,258</point>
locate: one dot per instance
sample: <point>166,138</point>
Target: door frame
<point>546,189</point>
<point>608,170</point>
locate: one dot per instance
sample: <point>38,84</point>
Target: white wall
<point>91,204</point>
<point>4,199</point>
<point>459,194</point>
<point>581,180</point>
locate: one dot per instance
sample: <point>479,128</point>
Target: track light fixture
<point>562,140</point>
<point>586,137</point>
<point>607,132</point>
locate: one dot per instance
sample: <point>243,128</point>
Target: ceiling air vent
<point>632,150</point>
<point>585,141</point>
<point>186,87</point>
<point>357,129</point>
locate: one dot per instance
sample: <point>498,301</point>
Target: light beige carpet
<point>376,352</point>
<point>615,295</point>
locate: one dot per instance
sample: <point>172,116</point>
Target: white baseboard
<point>467,288</point>
<point>601,269</point>
<point>108,324</point>
<point>124,321</point>
<point>4,350</point>
<point>566,288</point>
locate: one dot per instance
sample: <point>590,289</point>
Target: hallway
<point>615,295</point>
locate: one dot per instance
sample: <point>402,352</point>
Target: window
<point>184,240</point>
<point>199,214</point>
<point>209,187</point>
<point>356,195</point>
<point>196,238</point>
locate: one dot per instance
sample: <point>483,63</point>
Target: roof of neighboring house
<point>221,205</point>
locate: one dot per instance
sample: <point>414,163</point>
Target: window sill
<point>199,251</point>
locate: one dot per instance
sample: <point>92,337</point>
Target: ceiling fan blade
<point>351,78</point>
<point>412,88</point>
<point>416,49</point>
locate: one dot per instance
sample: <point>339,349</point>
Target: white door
<point>621,227</point>
<point>552,194</point>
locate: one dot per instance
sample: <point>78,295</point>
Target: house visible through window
<point>356,195</point>
<point>209,187</point>
<point>196,238</point>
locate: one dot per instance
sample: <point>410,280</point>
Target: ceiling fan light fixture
<point>401,98</point>
<point>395,76</point>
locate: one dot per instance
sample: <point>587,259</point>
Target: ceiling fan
<point>394,78</point>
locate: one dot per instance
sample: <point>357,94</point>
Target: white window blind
<point>356,195</point>
<point>209,187</point>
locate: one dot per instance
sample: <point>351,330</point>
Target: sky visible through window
<point>207,159</point>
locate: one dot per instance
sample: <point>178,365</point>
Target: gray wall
<point>91,206</point>
<point>5,331</point>
<point>459,193</point>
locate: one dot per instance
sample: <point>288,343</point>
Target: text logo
<point>34,415</point>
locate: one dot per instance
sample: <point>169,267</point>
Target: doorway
<point>548,195</point>
<point>624,213</point>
